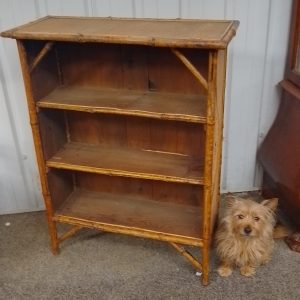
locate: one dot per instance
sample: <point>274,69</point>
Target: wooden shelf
<point>180,107</point>
<point>132,214</point>
<point>144,164</point>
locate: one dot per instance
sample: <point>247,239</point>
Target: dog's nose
<point>247,229</point>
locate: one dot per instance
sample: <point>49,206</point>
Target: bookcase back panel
<point>53,131</point>
<point>186,194</point>
<point>60,186</point>
<point>139,133</point>
<point>130,67</point>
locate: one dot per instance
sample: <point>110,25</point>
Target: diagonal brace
<point>188,256</point>
<point>191,68</point>
<point>48,46</point>
<point>69,233</point>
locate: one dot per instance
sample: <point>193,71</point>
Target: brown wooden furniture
<point>280,151</point>
<point>127,119</point>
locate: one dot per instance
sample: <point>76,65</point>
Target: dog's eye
<point>241,217</point>
<point>256,219</point>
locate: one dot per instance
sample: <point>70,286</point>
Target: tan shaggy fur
<point>244,237</point>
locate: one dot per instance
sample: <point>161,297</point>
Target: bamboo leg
<point>38,146</point>
<point>188,256</point>
<point>205,263</point>
<point>210,182</point>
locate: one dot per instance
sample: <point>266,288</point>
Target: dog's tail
<point>280,231</point>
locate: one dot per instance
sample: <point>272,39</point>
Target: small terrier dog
<point>244,237</point>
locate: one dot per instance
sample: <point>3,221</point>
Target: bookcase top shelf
<point>214,34</point>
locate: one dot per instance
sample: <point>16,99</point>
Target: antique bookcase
<point>127,118</point>
<point>279,153</point>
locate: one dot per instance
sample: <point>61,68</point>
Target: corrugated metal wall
<point>256,65</point>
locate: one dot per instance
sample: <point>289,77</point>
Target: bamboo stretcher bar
<point>188,256</point>
<point>48,46</point>
<point>69,233</point>
<point>189,65</point>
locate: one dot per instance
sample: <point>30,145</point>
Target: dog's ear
<point>229,201</point>
<point>270,203</point>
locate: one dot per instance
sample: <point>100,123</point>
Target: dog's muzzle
<point>247,230</point>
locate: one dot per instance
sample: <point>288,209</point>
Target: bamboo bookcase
<point>127,118</point>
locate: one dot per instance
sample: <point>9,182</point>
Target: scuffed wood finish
<point>127,120</point>
<point>167,106</point>
<point>144,164</point>
<point>150,32</point>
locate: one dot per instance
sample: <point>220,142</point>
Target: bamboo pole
<point>191,68</point>
<point>188,256</point>
<point>48,46</point>
<point>38,145</point>
<point>221,120</point>
<point>69,233</point>
<point>208,163</point>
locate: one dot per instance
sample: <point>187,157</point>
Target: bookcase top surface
<point>214,34</point>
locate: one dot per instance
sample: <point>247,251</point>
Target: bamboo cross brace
<point>48,46</point>
<point>191,68</point>
<point>69,233</point>
<point>188,256</point>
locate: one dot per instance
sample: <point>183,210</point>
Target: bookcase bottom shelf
<point>133,215</point>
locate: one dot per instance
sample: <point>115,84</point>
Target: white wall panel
<point>247,75</point>
<point>125,8</point>
<point>101,8</point>
<point>256,59</point>
<point>19,183</point>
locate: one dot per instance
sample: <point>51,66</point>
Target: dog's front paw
<point>224,271</point>
<point>247,271</point>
